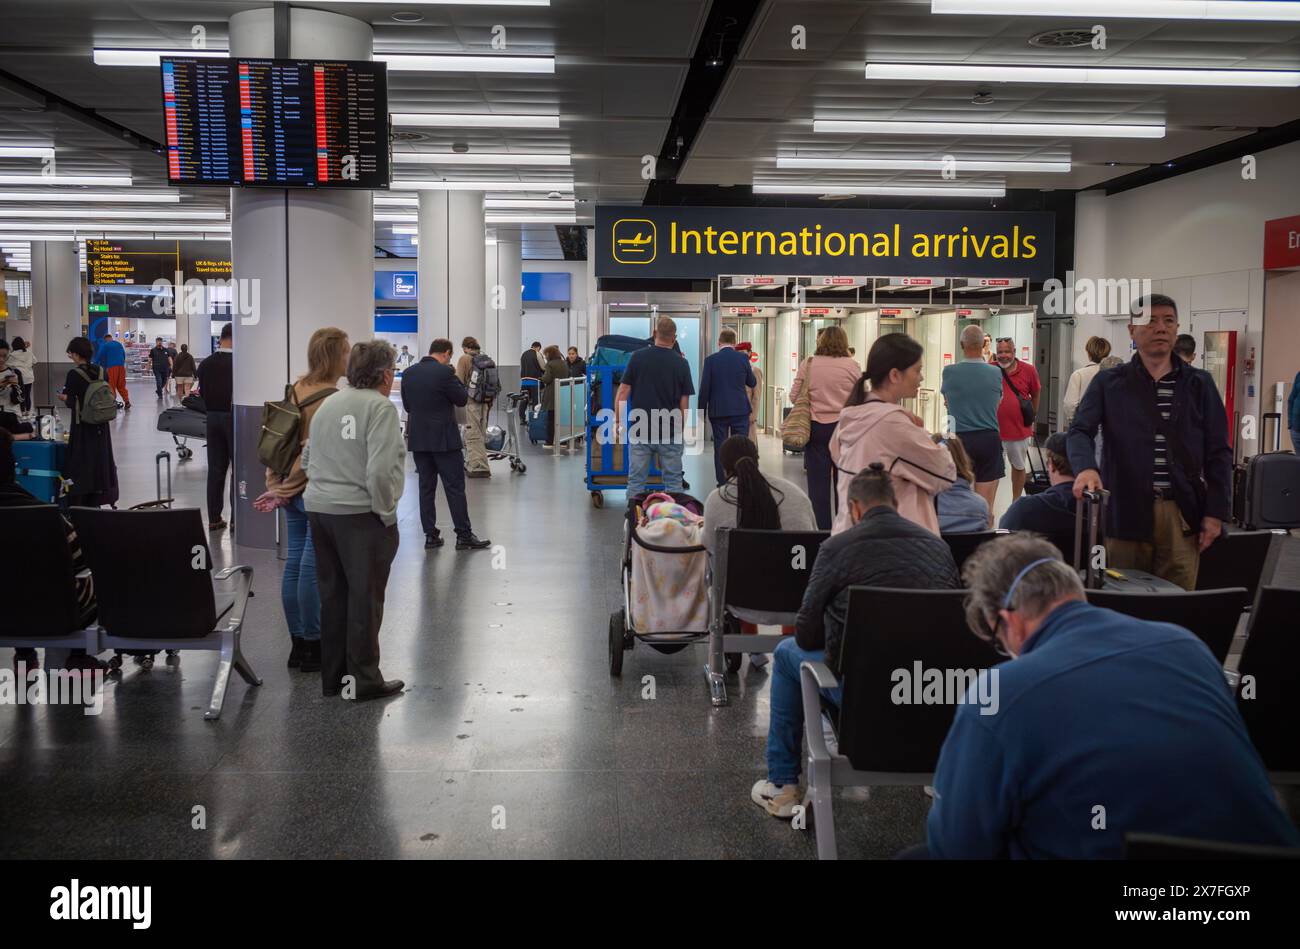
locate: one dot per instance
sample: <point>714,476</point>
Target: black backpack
<point>484,380</point>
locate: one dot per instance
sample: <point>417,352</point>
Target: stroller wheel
<point>522,467</point>
<point>733,662</point>
<point>616,633</point>
<point>597,499</point>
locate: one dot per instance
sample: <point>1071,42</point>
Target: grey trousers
<point>354,553</point>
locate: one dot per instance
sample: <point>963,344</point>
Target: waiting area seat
<point>1268,694</point>
<point>156,588</point>
<point>1211,615</point>
<point>1239,559</point>
<point>41,608</point>
<point>1164,847</point>
<point>759,577</point>
<point>880,739</point>
<point>963,545</point>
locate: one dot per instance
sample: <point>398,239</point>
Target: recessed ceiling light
<point>478,120</point>
<point>477,158</point>
<point>407,17</point>
<point>95,197</point>
<point>964,191</point>
<point>484,63</point>
<point>1007,129</point>
<point>922,164</point>
<point>1082,75</point>
<point>981,98</point>
<point>1265,10</point>
<point>98,181</point>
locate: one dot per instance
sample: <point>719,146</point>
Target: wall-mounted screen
<point>396,285</point>
<point>282,123</point>
<point>547,287</point>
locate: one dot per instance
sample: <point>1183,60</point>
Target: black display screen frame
<point>381,181</point>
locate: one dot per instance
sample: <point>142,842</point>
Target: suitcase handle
<point>1094,504</point>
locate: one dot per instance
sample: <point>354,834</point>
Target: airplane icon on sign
<point>634,241</point>
<point>634,244</point>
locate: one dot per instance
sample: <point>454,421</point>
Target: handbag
<point>1026,405</point>
<point>796,430</point>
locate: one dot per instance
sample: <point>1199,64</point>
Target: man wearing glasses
<point>1167,462</point>
<point>1105,725</point>
<point>1017,410</point>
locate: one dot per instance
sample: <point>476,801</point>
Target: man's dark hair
<point>1146,304</point>
<point>440,346</point>
<point>873,486</point>
<point>4,344</point>
<point>1185,346</point>
<point>469,342</point>
<point>536,345</point>
<point>228,331</point>
<point>157,339</point>
<point>80,346</point>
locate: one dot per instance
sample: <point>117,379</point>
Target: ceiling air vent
<point>1062,39</point>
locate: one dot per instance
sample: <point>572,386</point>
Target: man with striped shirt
<point>1167,463</point>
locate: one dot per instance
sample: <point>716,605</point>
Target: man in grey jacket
<point>881,549</point>
<point>356,470</point>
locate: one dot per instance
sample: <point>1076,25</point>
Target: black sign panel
<point>142,262</point>
<point>691,242</point>
<point>276,122</point>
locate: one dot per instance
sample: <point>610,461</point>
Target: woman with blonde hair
<point>1097,348</point>
<point>327,360</point>
<point>830,374</point>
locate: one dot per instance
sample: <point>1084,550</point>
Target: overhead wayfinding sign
<point>700,243</point>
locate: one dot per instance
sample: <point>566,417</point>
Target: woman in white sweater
<point>1097,349</point>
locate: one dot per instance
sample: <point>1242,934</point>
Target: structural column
<point>451,257</point>
<point>56,314</point>
<point>505,309</point>
<point>303,259</point>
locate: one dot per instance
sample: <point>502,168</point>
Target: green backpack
<point>98,404</point>
<point>280,443</point>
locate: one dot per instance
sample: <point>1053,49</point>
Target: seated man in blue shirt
<point>1052,511</point>
<point>1106,725</point>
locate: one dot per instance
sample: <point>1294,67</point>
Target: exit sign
<point>98,308</point>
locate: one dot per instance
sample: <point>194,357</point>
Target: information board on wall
<point>143,262</point>
<point>701,243</point>
<point>276,122</point>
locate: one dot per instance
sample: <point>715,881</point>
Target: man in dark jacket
<point>530,367</point>
<point>430,394</point>
<point>725,381</point>
<point>881,549</point>
<point>1052,511</point>
<point>1167,462</point>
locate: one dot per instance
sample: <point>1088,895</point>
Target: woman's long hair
<point>757,504</point>
<point>327,354</point>
<point>891,351</point>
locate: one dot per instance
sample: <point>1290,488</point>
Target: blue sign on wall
<point>395,285</point>
<point>396,321</point>
<point>545,286</point>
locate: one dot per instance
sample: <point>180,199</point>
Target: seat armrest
<point>245,576</point>
<point>813,677</point>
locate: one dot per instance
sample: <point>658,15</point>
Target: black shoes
<point>390,687</point>
<point>433,540</point>
<point>295,652</point>
<point>478,474</point>
<point>310,655</point>
<point>470,542</point>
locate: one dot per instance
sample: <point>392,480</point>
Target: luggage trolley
<point>622,634</point>
<point>182,423</point>
<point>607,458</point>
<point>508,447</point>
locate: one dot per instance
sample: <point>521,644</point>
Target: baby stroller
<point>640,618</point>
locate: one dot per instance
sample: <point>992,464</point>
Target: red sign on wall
<point>1282,243</point>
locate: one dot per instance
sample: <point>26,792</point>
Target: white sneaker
<point>779,800</point>
<point>758,659</point>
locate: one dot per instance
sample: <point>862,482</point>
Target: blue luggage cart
<point>607,457</point>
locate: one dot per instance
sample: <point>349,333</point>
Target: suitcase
<point>187,423</point>
<point>537,427</point>
<point>1037,479</point>
<point>1089,531</point>
<point>1270,495</point>
<point>40,468</point>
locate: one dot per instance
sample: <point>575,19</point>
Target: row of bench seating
<point>155,587</point>
<point>754,579</point>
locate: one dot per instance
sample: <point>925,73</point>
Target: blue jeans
<point>638,467</point>
<point>1295,440</point>
<point>785,729</point>
<point>298,590</point>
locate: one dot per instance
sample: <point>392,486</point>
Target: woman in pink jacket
<point>874,427</point>
<point>830,374</point>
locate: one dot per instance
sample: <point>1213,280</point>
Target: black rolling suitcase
<point>1037,479</point>
<point>1089,533</point>
<point>1270,492</point>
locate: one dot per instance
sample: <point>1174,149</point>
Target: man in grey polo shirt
<point>972,390</point>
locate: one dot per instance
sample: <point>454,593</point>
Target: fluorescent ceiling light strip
<point>470,62</point>
<point>921,164</point>
<point>411,184</point>
<point>98,181</point>
<point>1005,129</point>
<point>406,230</point>
<point>530,219</point>
<point>1143,9</point>
<point>26,151</point>
<point>440,3</point>
<point>36,237</point>
<point>451,120</point>
<point>96,228</point>
<point>152,57</point>
<point>396,218</point>
<point>482,158</point>
<point>533,204</point>
<point>1082,75</point>
<point>116,215</point>
<point>94,197</point>
<point>395,201</point>
<point>840,187</point>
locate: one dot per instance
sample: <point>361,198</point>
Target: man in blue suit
<point>430,394</point>
<point>723,381</point>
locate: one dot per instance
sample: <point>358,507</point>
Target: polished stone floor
<point>509,704</point>
<point>511,740</point>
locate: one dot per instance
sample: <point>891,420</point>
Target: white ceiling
<point>620,68</point>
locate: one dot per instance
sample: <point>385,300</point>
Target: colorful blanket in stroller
<point>667,589</point>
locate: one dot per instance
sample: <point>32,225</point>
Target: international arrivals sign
<point>701,243</point>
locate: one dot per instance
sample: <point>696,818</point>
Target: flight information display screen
<point>280,123</point>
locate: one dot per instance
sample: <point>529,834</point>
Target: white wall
<point>1199,238</point>
<point>580,316</point>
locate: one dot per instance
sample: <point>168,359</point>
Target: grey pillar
<point>56,314</point>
